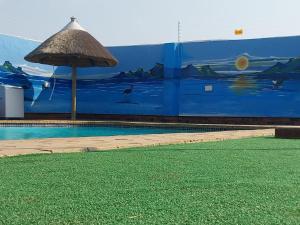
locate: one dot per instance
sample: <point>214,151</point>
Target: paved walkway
<point>63,145</point>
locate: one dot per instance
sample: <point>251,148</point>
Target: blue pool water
<point>17,133</point>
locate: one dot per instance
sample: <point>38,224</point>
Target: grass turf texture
<point>247,181</point>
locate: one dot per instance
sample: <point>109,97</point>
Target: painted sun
<point>242,63</point>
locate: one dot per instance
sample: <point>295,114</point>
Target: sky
<point>133,22</point>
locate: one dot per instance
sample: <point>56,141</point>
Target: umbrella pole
<point>74,78</point>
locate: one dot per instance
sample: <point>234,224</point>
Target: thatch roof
<point>72,46</point>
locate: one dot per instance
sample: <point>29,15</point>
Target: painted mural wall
<point>258,77</point>
<point>243,78</point>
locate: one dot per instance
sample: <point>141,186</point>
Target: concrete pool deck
<point>82,144</point>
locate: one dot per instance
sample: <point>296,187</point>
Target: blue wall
<point>269,86</point>
<point>259,77</point>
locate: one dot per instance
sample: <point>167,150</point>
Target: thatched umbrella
<point>74,47</point>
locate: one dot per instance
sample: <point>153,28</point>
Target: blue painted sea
<point>234,96</point>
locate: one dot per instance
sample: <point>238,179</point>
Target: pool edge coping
<point>134,124</point>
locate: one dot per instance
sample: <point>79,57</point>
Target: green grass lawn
<point>249,181</point>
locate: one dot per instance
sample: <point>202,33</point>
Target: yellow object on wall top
<point>239,32</point>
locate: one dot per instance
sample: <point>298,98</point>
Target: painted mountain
<point>201,71</point>
<point>157,72</point>
<point>8,67</point>
<point>15,76</point>
<point>282,71</point>
<point>292,66</point>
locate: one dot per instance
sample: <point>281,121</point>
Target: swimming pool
<point>36,132</point>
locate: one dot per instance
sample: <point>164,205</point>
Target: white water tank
<point>11,102</point>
